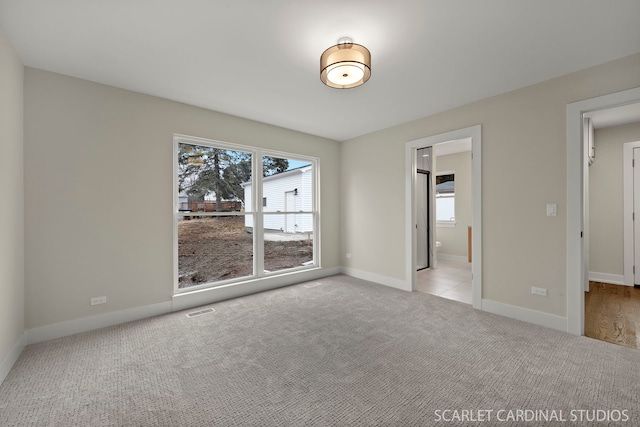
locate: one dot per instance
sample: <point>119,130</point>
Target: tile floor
<point>451,280</point>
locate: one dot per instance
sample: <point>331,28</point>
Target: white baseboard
<point>377,278</point>
<point>507,310</point>
<point>11,358</point>
<point>70,327</point>
<point>179,302</point>
<point>614,279</point>
<point>526,315</point>
<point>457,258</point>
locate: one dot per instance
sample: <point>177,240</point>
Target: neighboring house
<point>288,191</point>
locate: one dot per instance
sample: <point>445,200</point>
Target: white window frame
<point>257,155</point>
<point>441,222</point>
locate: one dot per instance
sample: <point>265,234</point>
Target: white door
<point>636,209</point>
<point>290,206</point>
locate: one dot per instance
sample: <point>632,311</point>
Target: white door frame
<point>629,233</point>
<point>411,147</point>
<point>587,142</point>
<point>575,199</point>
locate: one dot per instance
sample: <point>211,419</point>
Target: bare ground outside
<point>212,249</point>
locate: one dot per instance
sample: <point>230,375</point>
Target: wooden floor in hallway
<point>451,280</point>
<point>612,314</point>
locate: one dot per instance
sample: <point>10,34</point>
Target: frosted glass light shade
<point>345,65</point>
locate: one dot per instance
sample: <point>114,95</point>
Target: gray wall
<point>454,239</point>
<point>523,158</point>
<point>98,192</point>
<point>11,194</point>
<point>606,238</point>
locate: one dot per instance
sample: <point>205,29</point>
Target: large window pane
<point>210,179</point>
<point>283,250</point>
<point>287,186</point>
<point>240,213</point>
<point>213,248</point>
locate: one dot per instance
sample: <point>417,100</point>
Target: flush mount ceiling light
<point>345,65</point>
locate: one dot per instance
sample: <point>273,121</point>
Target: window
<point>445,200</point>
<point>224,230</point>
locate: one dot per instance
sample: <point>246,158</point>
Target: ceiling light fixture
<point>345,65</point>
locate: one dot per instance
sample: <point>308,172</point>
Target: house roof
<point>279,175</point>
<point>260,59</point>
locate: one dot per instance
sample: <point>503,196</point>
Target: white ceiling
<point>259,59</point>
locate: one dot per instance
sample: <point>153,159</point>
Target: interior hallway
<point>451,280</point>
<point>612,314</point>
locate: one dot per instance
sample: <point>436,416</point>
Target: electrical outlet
<point>98,300</point>
<point>552,210</point>
<point>539,291</point>
<point>348,256</point>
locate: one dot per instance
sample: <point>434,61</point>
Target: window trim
<point>257,154</point>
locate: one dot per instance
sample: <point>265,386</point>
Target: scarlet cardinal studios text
<point>532,415</point>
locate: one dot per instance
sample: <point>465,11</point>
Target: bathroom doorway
<point>443,198</point>
<point>419,242</point>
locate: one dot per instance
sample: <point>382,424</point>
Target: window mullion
<point>258,230</point>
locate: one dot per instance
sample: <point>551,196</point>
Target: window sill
<point>207,295</point>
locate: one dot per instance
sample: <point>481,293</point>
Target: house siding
<point>280,191</point>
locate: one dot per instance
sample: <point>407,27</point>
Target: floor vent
<point>200,312</point>
<point>312,285</point>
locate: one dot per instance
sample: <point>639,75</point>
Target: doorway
<point>609,204</point>
<point>446,168</point>
<point>472,133</point>
<point>611,303</point>
<point>577,187</point>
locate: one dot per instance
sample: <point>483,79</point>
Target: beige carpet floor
<point>334,352</point>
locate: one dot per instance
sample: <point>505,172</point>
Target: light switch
<point>552,210</point>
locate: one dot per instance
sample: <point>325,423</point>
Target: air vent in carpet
<point>312,285</point>
<point>200,312</point>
